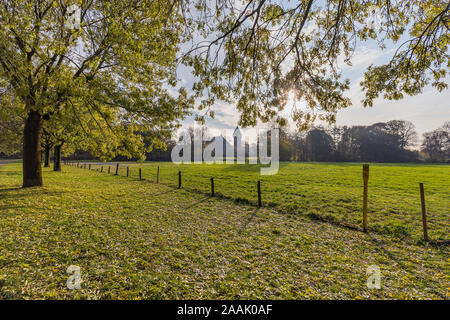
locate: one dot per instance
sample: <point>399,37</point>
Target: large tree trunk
<point>57,158</point>
<point>32,171</point>
<point>47,156</point>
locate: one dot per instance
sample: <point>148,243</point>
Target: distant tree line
<point>392,141</point>
<point>380,142</point>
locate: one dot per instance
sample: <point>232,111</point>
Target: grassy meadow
<point>139,240</point>
<point>326,191</point>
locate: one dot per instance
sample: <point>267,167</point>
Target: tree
<point>163,153</point>
<point>286,146</point>
<point>257,53</point>
<point>404,131</point>
<point>298,146</point>
<point>11,123</point>
<point>122,56</point>
<point>47,144</point>
<point>336,133</point>
<point>436,144</point>
<point>349,146</point>
<point>377,144</point>
<point>319,145</point>
<point>380,142</point>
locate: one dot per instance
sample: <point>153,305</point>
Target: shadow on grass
<point>10,193</point>
<point>379,246</point>
<point>197,203</point>
<point>439,243</point>
<point>10,173</point>
<point>331,220</point>
<point>3,208</point>
<point>250,219</point>
<point>165,192</point>
<point>5,190</point>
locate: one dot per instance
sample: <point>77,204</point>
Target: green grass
<point>138,240</point>
<point>330,191</point>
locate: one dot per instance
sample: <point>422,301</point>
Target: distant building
<point>237,140</point>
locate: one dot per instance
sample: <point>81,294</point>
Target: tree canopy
<point>118,66</point>
<point>256,52</point>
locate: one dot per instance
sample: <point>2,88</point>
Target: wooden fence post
<point>157,176</point>
<point>101,169</point>
<point>259,194</point>
<point>89,166</point>
<point>179,179</point>
<point>117,169</point>
<point>128,171</point>
<point>366,183</point>
<point>140,174</point>
<point>424,213</point>
<point>212,187</point>
<point>109,169</point>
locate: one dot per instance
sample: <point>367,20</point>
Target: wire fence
<point>257,192</point>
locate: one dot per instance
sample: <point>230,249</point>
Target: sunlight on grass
<point>138,240</point>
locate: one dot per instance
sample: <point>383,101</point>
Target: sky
<point>427,111</point>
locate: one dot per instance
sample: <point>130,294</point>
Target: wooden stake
<point>109,169</point>
<point>89,166</point>
<point>117,169</point>
<point>101,169</point>
<point>259,194</point>
<point>366,183</point>
<point>128,171</point>
<point>424,213</point>
<point>157,176</point>
<point>140,174</point>
<point>212,187</point>
<point>179,179</point>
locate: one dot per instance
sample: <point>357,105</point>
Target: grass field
<point>134,239</point>
<point>331,191</point>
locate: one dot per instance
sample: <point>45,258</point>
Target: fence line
<point>259,202</point>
